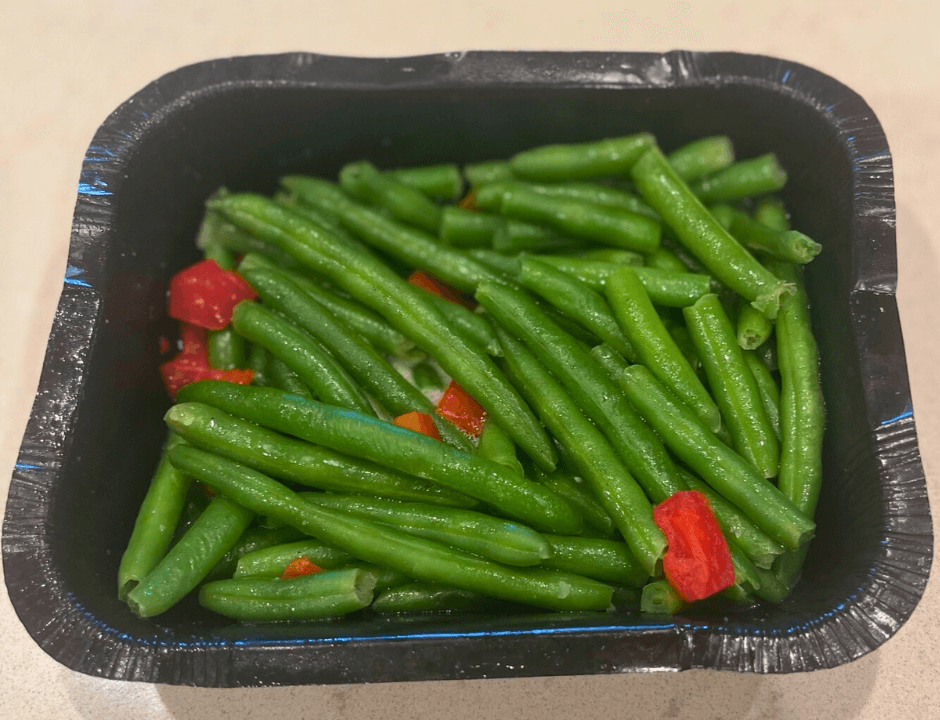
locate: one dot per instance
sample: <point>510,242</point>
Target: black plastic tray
<point>94,434</point>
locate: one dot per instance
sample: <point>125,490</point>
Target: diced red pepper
<point>426,281</point>
<point>192,363</point>
<point>418,422</point>
<point>164,345</point>
<point>299,567</point>
<point>204,294</point>
<point>458,407</point>
<point>468,201</point>
<point>697,562</point>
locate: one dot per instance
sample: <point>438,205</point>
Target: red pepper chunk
<point>697,563</point>
<point>458,407</point>
<point>204,294</point>
<point>418,422</point>
<point>431,284</point>
<point>299,567</point>
<point>192,363</point>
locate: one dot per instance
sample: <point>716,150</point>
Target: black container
<point>94,434</point>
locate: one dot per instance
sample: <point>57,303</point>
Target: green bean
<point>626,597</point>
<point>746,573</point>
<point>724,214</point>
<point>605,473</point>
<point>283,378</point>
<point>270,562</point>
<point>462,228</point>
<point>609,359</point>
<point>239,242</point>
<point>786,245</point>
<point>319,595</point>
<point>300,462</point>
<point>301,353</point>
<point>702,157</point>
<point>363,363</point>
<point>753,328</point>
<point>768,354</point>
<point>226,349</point>
<point>579,219</point>
<point>426,377</point>
<point>370,325</point>
<point>500,540</point>
<point>665,259</point>
<point>190,560</point>
<point>496,445</point>
<point>553,163</point>
<point>680,336</point>
<point>608,255</point>
<point>655,346</point>
<point>426,597</point>
<point>516,236</point>
<point>421,559</point>
<point>747,178</point>
<point>254,539</point>
<point>802,413</point>
<point>605,560</point>
<point>733,385</point>
<point>771,213</point>
<point>156,522</point>
<point>207,240</point>
<point>440,182</point>
<point>566,486</point>
<point>500,263</point>
<point>575,300</point>
<point>722,468</point>
<point>411,246</point>
<point>753,542</point>
<point>594,193</point>
<point>406,204</point>
<point>488,171</point>
<point>704,237</point>
<point>594,392</point>
<point>366,437</point>
<point>659,598</point>
<point>471,327</point>
<point>769,392</point>
<point>360,273</point>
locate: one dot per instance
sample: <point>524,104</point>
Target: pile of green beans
<point>641,327</point>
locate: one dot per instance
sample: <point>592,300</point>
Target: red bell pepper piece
<point>192,363</point>
<point>204,294</point>
<point>697,563</point>
<point>426,281</point>
<point>468,201</point>
<point>458,407</point>
<point>418,422</point>
<point>299,567</point>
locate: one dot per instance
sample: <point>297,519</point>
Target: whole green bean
<point>226,349</point>
<point>746,178</point>
<point>771,213</point>
<point>406,204</point>
<point>769,392</point>
<point>426,377</point>
<point>722,468</point>
<point>319,370</point>
<point>606,560</point>
<point>421,559</point>
<point>659,598</point>
<point>786,245</point>
<point>471,327</point>
<point>608,255</point>
<point>366,437</point>
<point>319,595</point>
<point>369,280</point>
<point>566,486</point>
<point>254,539</point>
<point>704,237</point>
<point>283,378</point>
<point>702,157</point>
<point>488,171</point>
<point>665,259</point>
<point>609,359</point>
<point>363,363</point>
<point>439,182</point>
<point>516,236</point>
<point>654,345</point>
<point>369,324</point>
<point>426,597</point>
<point>156,522</point>
<point>593,193</point>
<point>504,265</point>
<point>258,361</point>
<point>753,327</point>
<point>605,473</point>
<point>300,462</point>
<point>207,240</point>
<point>205,543</point>
<point>270,562</point>
<point>595,393</point>
<point>575,300</point>
<point>496,445</point>
<point>500,540</point>
<point>553,163</point>
<point>733,385</point>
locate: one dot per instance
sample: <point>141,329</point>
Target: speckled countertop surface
<point>64,66</point>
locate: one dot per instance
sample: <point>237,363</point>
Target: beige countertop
<point>64,66</point>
